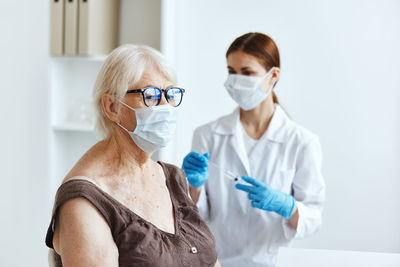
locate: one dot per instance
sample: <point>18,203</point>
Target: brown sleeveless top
<point>139,242</point>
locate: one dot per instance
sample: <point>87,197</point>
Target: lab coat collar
<point>276,131</point>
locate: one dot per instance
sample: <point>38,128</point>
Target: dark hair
<point>262,47</point>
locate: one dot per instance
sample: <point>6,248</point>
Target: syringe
<point>228,174</point>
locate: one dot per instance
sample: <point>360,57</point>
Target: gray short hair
<point>121,71</point>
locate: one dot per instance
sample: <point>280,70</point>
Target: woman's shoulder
<point>89,165</point>
<point>81,196</point>
<point>172,171</point>
<point>207,127</point>
<point>289,130</point>
<point>302,134</point>
<point>83,223</point>
<point>176,177</point>
<point>296,136</point>
<point>80,187</point>
<point>223,123</point>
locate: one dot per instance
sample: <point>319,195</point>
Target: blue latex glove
<point>266,198</point>
<point>195,166</point>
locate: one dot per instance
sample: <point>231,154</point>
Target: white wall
<point>340,78</point>
<point>24,204</point>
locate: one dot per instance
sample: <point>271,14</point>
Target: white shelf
<point>100,59</point>
<point>73,127</point>
<point>72,79</point>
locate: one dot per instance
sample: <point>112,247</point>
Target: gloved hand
<point>195,166</point>
<point>266,198</point>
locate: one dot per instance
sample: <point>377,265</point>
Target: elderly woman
<point>117,207</point>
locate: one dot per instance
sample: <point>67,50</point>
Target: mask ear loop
<point>268,73</point>
<point>126,105</point>
<point>123,127</point>
<point>131,108</point>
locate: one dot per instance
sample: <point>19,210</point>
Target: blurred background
<point>340,78</point>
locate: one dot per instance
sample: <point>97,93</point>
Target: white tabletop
<point>294,257</point>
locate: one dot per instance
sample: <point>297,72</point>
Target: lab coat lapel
<point>237,144</point>
<point>238,161</point>
<point>230,126</point>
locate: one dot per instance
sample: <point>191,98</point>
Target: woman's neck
<point>256,121</point>
<point>125,152</point>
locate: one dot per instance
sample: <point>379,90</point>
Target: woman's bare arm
<point>194,193</point>
<point>295,218</point>
<point>82,236</point>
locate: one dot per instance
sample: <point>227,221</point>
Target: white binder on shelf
<point>71,28</point>
<point>56,27</point>
<point>98,27</point>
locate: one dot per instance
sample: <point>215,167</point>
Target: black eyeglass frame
<point>165,91</point>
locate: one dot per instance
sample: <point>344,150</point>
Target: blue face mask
<point>155,127</point>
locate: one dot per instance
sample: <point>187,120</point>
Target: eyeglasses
<point>152,95</point>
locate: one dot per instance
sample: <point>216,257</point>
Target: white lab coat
<point>288,158</point>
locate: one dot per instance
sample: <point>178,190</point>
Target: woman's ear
<point>275,75</point>
<point>109,107</point>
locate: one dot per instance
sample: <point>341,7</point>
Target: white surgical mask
<point>155,127</point>
<point>247,90</point>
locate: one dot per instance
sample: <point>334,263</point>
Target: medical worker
<point>280,193</point>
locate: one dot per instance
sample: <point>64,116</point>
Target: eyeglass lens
<point>152,96</point>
